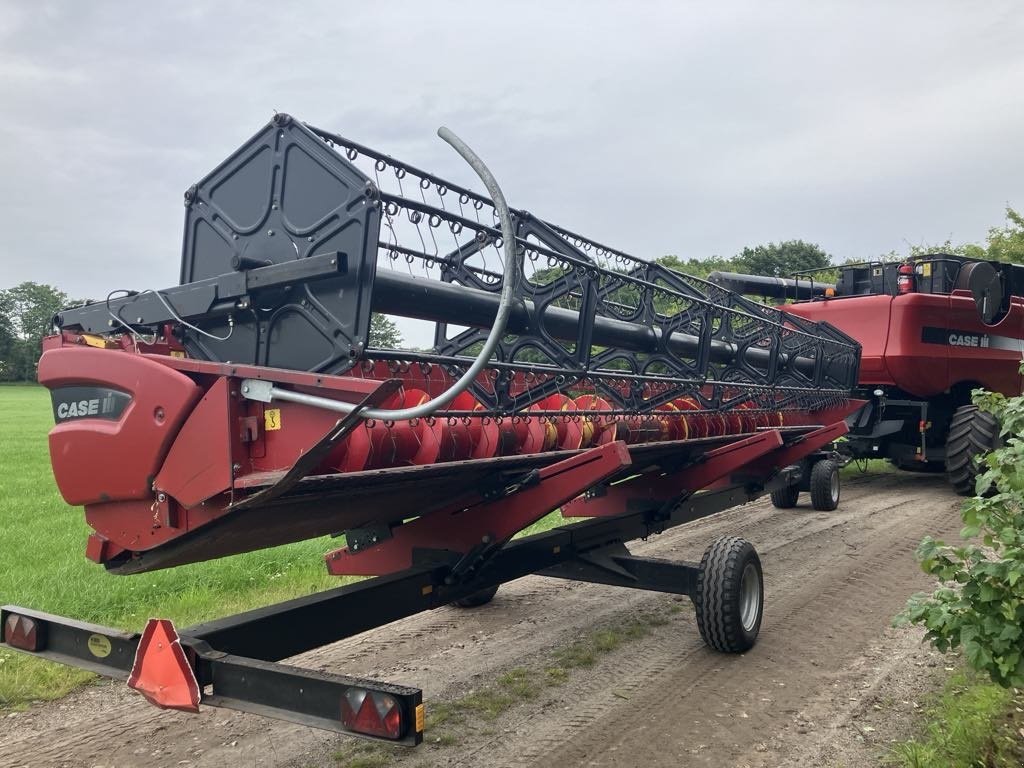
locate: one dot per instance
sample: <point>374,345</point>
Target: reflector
<point>371,712</point>
<point>161,672</point>
<point>24,633</point>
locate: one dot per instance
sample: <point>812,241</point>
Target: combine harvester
<point>246,408</point>
<point>932,328</point>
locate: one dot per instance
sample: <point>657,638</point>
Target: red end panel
<point>99,459</point>
<point>865,318</point>
<point>918,367</point>
<point>199,463</point>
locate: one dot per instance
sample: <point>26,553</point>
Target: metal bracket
<point>367,536</point>
<point>312,458</point>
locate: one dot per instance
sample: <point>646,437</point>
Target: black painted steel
<point>299,625</point>
<point>781,288</point>
<point>284,692</point>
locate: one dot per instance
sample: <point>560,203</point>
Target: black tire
<point>972,433</point>
<point>476,599</point>
<point>786,498</point>
<point>825,485</point>
<point>730,595</point>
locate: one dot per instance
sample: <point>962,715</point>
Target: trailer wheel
<point>476,599</point>
<point>730,595</point>
<point>972,432</point>
<point>825,485</point>
<point>786,498</point>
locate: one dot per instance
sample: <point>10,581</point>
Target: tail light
<point>372,713</point>
<point>24,633</point>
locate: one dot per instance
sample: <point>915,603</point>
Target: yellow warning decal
<point>421,717</point>
<point>96,341</point>
<point>177,353</point>
<point>926,269</point>
<point>99,646</point>
<point>272,419</point>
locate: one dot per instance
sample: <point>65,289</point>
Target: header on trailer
<point>246,408</point>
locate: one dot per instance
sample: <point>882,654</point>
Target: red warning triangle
<point>161,672</point>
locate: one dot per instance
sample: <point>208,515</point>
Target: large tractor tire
<point>730,595</point>
<point>972,433</point>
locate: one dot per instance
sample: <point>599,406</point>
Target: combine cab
<point>247,408</point>
<point>932,329</point>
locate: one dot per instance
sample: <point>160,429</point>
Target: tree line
<point>26,310</point>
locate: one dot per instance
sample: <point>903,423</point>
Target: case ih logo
<point>88,402</point>
<point>952,337</point>
<point>967,340</point>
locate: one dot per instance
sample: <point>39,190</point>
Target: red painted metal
<point>161,671</point>
<point>890,331</point>
<point>95,460</point>
<point>343,387</point>
<point>465,526</point>
<point>215,449</point>
<point>661,487</point>
<point>199,464</point>
<point>794,452</point>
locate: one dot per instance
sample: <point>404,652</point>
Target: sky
<point>693,129</point>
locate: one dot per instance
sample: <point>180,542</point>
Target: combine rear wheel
<point>730,595</point>
<point>972,432</point>
<point>825,485</point>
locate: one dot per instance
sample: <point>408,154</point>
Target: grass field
<point>42,541</point>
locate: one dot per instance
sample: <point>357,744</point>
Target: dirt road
<point>828,683</point>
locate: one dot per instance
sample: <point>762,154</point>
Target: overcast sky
<point>693,129</point>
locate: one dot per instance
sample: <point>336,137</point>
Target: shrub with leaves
<point>979,605</point>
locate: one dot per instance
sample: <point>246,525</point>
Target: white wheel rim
<point>750,597</point>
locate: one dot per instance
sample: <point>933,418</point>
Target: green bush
<point>979,604</point>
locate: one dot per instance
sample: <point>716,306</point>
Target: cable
<point>176,316</point>
<point>135,334</point>
<point>173,313</point>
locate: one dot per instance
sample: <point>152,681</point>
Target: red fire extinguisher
<point>905,278</point>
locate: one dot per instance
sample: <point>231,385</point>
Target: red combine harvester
<point>932,329</point>
<point>246,408</point>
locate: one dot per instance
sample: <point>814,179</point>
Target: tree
<point>782,259</point>
<point>970,250</point>
<point>28,311</point>
<point>979,603</point>
<point>1006,243</point>
<point>384,333</point>
<point>698,267</point>
<point>7,343</point>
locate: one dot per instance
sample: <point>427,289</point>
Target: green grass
<point>972,723</point>
<point>42,545</point>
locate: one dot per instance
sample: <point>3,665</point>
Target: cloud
<point>657,127</point>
